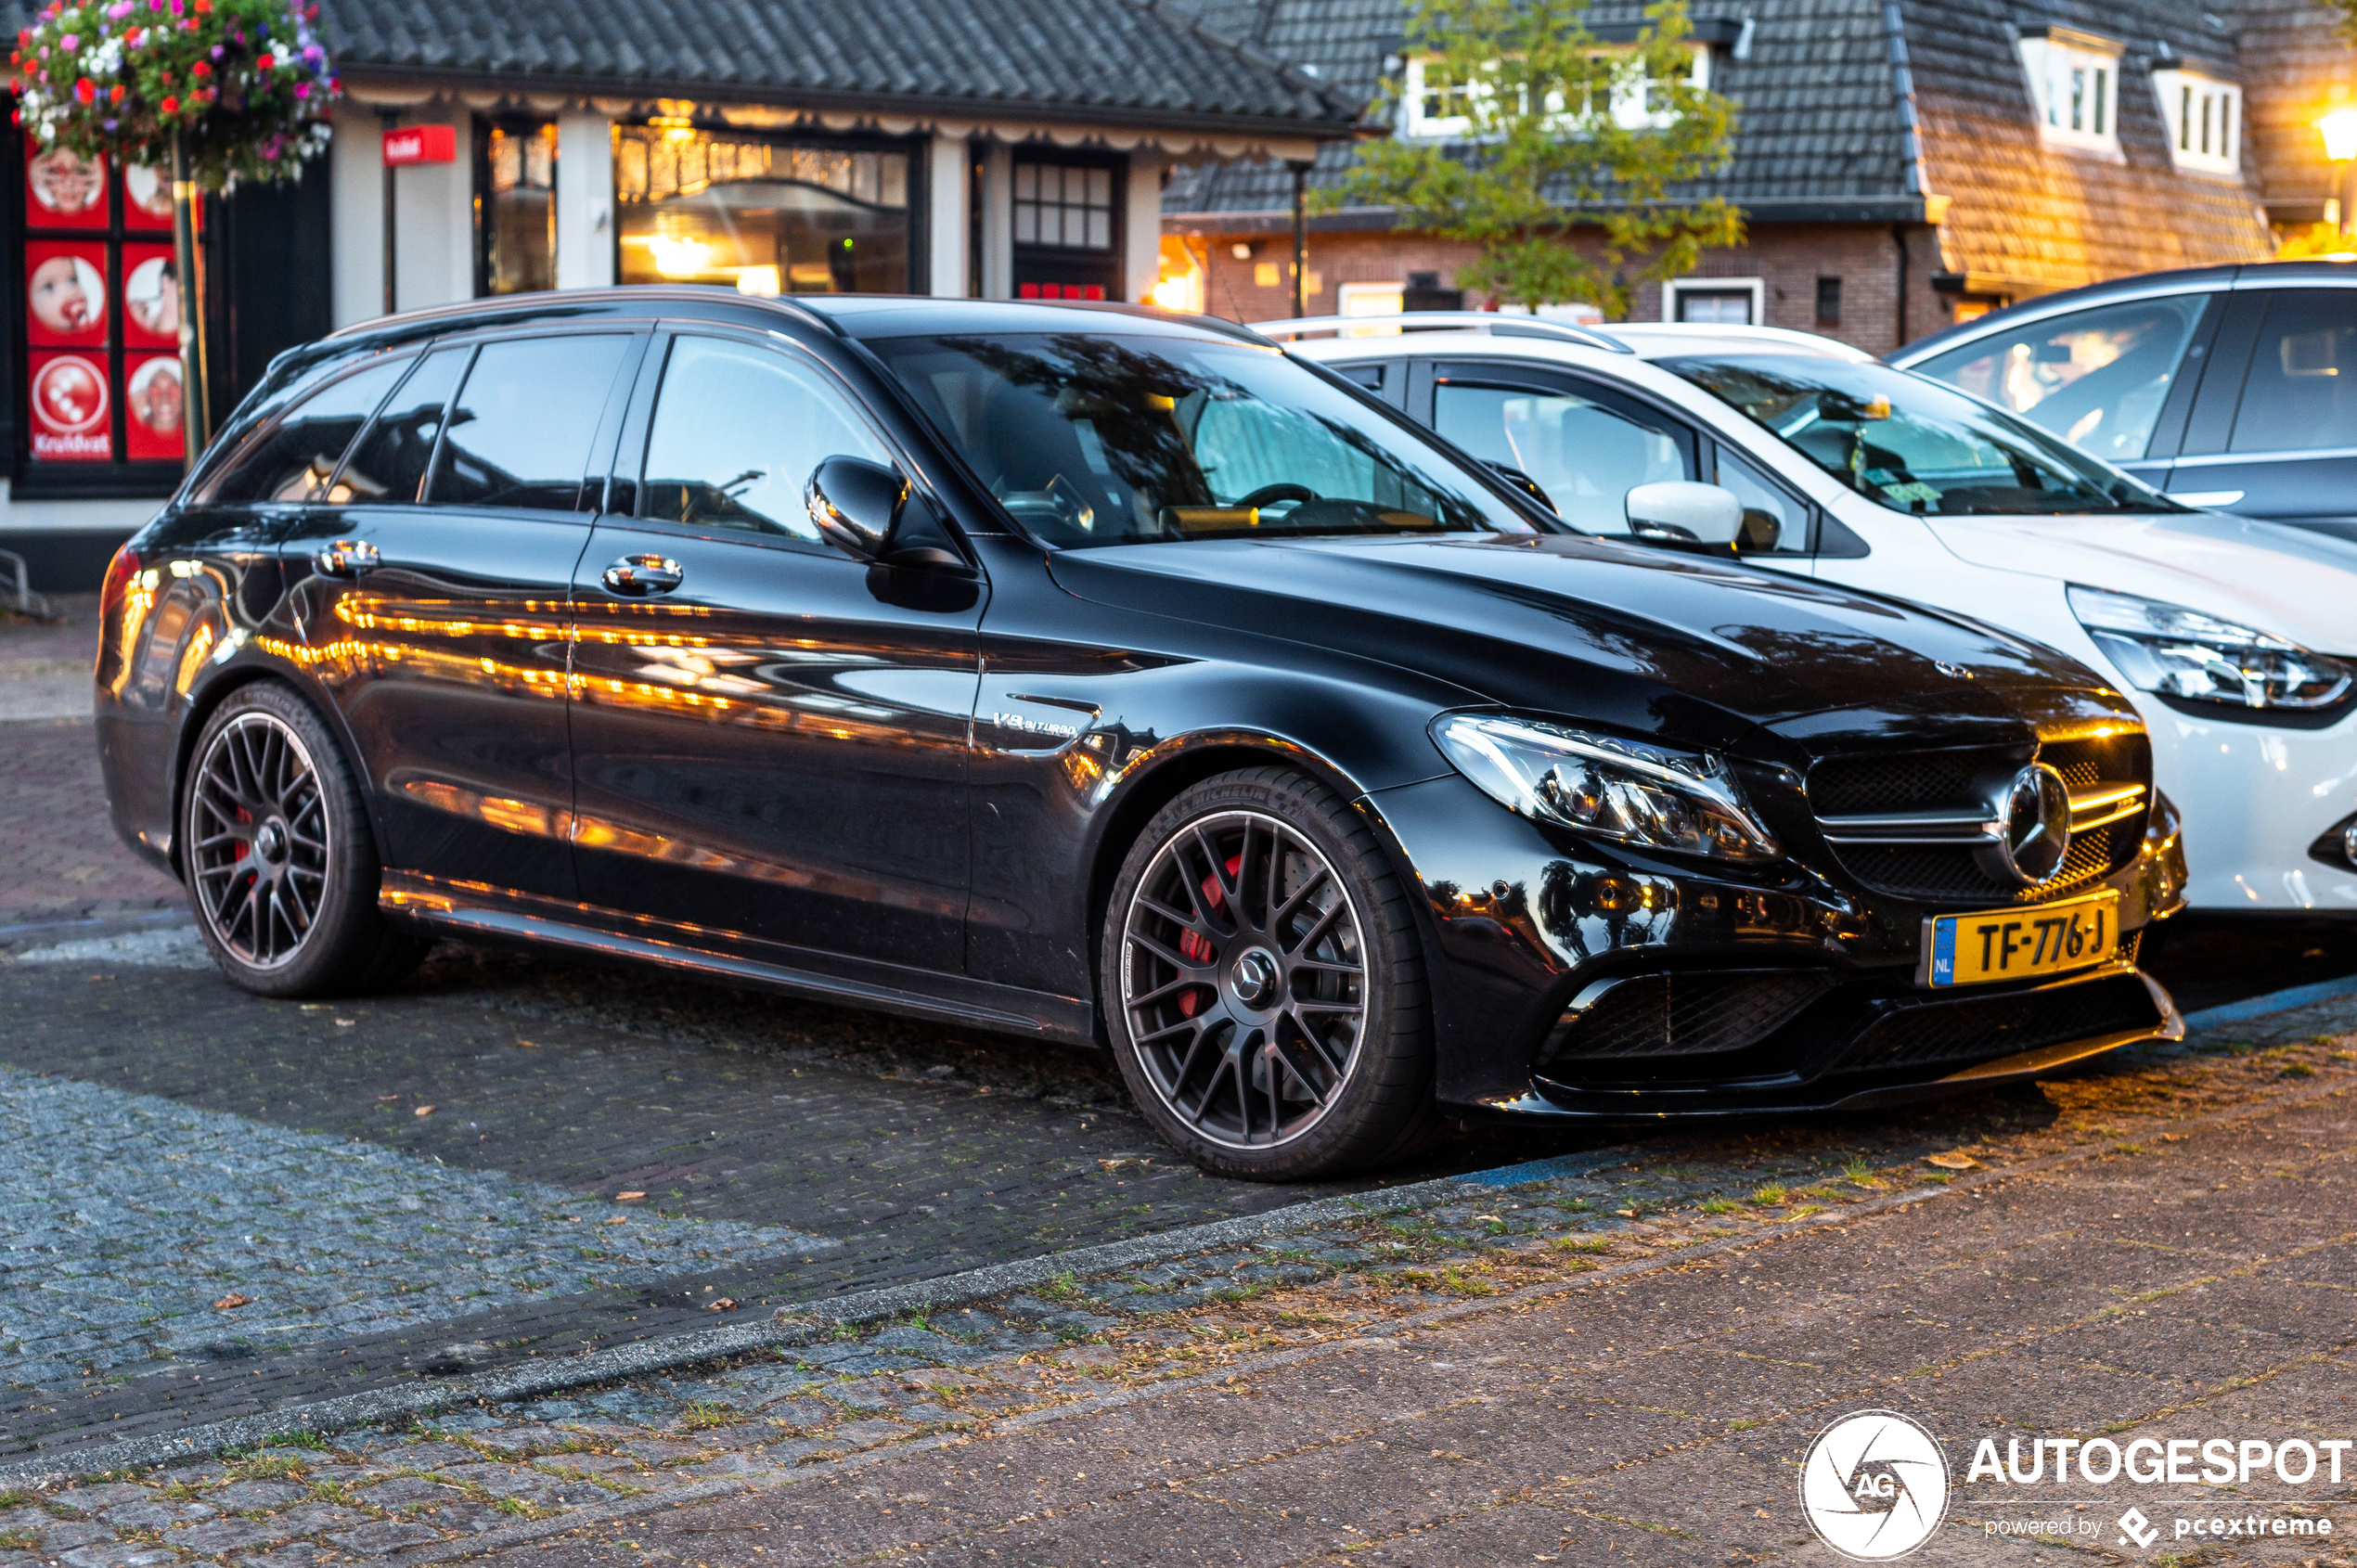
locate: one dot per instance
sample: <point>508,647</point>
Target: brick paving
<point>1583,1364</point>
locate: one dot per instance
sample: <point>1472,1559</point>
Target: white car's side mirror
<point>1680,512</point>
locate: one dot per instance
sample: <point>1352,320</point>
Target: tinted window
<point>2301,393</point>
<point>1586,456</point>
<point>738,431</point>
<point>390,462</point>
<point>2096,378</point>
<point>520,431</point>
<point>1095,439</point>
<point>1911,443</point>
<point>294,457</point>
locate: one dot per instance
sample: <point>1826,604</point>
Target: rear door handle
<point>638,576</point>
<point>347,557</point>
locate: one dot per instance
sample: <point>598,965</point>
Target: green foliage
<point>1565,136</point>
<point>244,85</point>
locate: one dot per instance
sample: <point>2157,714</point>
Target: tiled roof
<point>2297,63</point>
<point>1820,127</point>
<point>1126,62</point>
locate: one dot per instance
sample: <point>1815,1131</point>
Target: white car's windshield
<point>1911,443</point>
<point>1091,438</point>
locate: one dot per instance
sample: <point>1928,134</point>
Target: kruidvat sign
<point>420,144</point>
<point>1876,1486</point>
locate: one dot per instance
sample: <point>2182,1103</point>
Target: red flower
<point>84,91</point>
<point>114,93</point>
<point>201,70</point>
<point>265,62</point>
<point>171,105</point>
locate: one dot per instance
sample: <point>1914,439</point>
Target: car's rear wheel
<point>1263,986</point>
<point>277,854</point>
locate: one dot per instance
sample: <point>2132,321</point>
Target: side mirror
<point>1678,512</point>
<point>856,504</point>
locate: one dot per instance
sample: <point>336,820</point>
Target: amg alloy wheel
<point>276,853</point>
<point>1264,984</point>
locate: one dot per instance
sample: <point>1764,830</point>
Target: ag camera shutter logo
<point>1874,1485</point>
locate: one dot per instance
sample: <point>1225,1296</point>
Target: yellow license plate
<point>2020,944</point>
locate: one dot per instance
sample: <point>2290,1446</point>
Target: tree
<point>1561,134</point>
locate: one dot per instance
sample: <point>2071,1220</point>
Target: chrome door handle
<point>638,576</point>
<point>347,557</point>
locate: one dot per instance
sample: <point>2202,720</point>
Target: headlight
<point>2181,652</point>
<point>1626,791</point>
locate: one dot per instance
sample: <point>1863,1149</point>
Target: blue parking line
<point>2274,1001</point>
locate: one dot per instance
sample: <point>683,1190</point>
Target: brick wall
<point>1787,258</point>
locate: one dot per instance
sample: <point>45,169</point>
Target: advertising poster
<point>70,409</point>
<point>62,190</point>
<point>65,294</point>
<point>150,296</point>
<point>152,400</point>
<point>147,199</point>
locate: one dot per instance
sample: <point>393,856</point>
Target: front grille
<point>1984,1028</point>
<point>1696,1014</point>
<point>1966,780</point>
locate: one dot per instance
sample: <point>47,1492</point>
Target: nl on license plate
<point>2021,944</point>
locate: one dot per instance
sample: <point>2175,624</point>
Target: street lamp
<point>2340,145</point>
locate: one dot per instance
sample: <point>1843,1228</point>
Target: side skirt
<point>477,912</point>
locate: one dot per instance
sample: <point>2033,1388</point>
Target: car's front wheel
<point>276,851</point>
<point>1263,986</point>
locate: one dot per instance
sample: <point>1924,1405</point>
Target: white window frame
<point>2074,89</point>
<point>2203,114</point>
<point>1371,299</point>
<point>1676,287</point>
<point>1630,109</point>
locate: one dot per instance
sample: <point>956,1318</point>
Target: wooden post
<point>196,402</point>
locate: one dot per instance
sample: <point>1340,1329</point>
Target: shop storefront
<point>510,182</point>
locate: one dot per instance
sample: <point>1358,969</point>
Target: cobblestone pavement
<point>1589,1358</point>
<point>45,666</point>
<point>132,1229</point>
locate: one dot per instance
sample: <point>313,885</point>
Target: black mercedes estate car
<point>1099,675</point>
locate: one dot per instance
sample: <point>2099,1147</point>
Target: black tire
<point>1263,983</point>
<point>277,856</point>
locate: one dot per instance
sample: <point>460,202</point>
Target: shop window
<point>515,206</point>
<point>2203,118</point>
<point>1063,205</point>
<point>100,372</point>
<point>762,214</point>
<point>2074,84</point>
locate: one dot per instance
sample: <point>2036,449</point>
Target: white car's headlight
<point>1626,791</point>
<point>2181,652</point>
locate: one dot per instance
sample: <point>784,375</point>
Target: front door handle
<point>347,557</point>
<point>638,576</point>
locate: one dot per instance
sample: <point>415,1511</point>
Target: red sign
<point>154,401</point>
<point>420,144</point>
<point>62,190</point>
<point>69,423</point>
<point>66,293</point>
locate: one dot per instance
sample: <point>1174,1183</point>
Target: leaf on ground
<point>1954,1160</point>
<point>724,1304</point>
<point>425,1111</point>
<point>232,1300</point>
<point>627,1197</point>
<point>619,1219</point>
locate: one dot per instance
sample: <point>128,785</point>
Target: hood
<point>2288,581</point>
<point>1624,635</point>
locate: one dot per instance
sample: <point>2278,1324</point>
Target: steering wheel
<point>1281,491</point>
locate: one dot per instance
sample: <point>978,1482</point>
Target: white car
<point>2236,638</point>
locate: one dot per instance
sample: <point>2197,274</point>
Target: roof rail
<point>1496,323</point>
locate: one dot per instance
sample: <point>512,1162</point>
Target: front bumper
<point>1777,990</point>
<point>2255,798</point>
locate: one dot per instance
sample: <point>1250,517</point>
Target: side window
<point>1586,456</point>
<point>1773,523</point>
<point>738,430</point>
<point>520,432</point>
<point>2097,377</point>
<point>390,463</point>
<point>291,459</point>
<point>1368,375</point>
<point>2299,394</point>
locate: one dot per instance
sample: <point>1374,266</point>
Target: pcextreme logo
<point>1874,1485</point>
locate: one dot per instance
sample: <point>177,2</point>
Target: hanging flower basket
<point>239,88</point>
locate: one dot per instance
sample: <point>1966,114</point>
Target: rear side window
<point>2095,377</point>
<point>520,432</point>
<point>1586,456</point>
<point>290,460</point>
<point>2301,393</point>
<point>390,463</point>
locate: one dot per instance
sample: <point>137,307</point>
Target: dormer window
<point>2074,86</point>
<point>2204,119</point>
<point>1439,105</point>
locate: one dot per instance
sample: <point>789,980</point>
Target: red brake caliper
<point>1195,946</point>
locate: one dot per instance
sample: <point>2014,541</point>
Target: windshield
<point>1911,443</point>
<point>1089,439</point>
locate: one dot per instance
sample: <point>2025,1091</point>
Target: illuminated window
<point>2074,83</point>
<point>762,214</point>
<point>2204,119</point>
<point>516,216</point>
